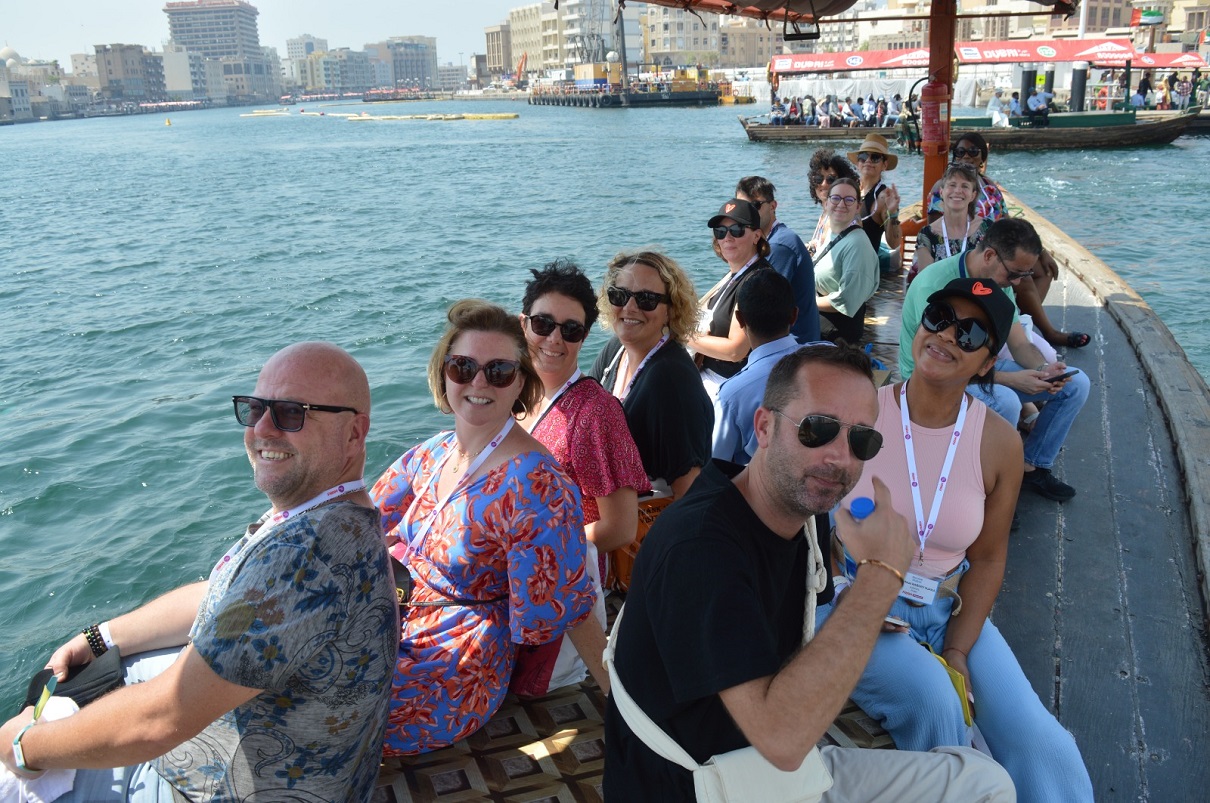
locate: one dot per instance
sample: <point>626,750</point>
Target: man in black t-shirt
<point>710,642</point>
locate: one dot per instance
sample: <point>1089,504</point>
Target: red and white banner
<point>1097,51</point>
<point>839,62</point>
<point>1100,52</point>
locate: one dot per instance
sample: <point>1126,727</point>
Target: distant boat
<point>167,121</point>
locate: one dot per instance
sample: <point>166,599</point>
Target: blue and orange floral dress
<point>517,532</point>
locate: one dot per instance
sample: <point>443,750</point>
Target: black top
<point>669,414</point>
<point>872,229</point>
<point>716,600</point>
<point>720,321</point>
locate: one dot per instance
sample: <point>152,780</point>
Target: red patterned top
<point>586,431</point>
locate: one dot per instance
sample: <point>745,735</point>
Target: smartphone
<point>896,621</point>
<point>1061,377</point>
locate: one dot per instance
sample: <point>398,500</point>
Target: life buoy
<point>1103,99</point>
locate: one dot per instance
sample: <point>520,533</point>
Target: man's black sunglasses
<point>288,416</point>
<point>543,324</point>
<point>645,300</point>
<point>820,430</point>
<point>971,334</point>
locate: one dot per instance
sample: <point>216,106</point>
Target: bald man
<point>269,680</point>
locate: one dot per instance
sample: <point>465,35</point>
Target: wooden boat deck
<point>1103,599</point>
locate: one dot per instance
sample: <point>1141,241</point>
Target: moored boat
<point>1066,131</point>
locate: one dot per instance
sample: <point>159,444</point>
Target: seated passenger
<point>739,241</point>
<point>585,429</point>
<point>825,167</point>
<point>1005,256</point>
<point>766,312</point>
<point>846,267</point>
<point>491,531</point>
<point>958,228</point>
<point>648,302</point>
<point>955,577</point>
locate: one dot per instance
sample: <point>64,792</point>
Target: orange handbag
<point>621,561</point>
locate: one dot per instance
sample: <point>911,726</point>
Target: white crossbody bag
<point>740,775</point>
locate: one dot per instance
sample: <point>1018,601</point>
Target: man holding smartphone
<point>1005,256</point>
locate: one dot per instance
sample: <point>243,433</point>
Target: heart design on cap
<point>980,289</point>
<point>729,207</point>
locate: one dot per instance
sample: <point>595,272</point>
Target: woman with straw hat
<point>879,201</point>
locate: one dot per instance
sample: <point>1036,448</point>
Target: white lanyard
<point>575,377</point>
<point>945,236</point>
<point>415,543</point>
<point>626,390</point>
<point>925,528</point>
<point>331,493</point>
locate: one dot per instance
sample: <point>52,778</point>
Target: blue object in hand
<point>861,507</point>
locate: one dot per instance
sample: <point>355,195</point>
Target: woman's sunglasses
<point>961,152</point>
<point>869,157</point>
<point>735,230</point>
<point>288,416</point>
<point>543,324</point>
<point>971,334</point>
<point>498,373</point>
<point>646,300</point>
<point>820,430</point>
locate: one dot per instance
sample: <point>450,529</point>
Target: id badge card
<point>920,588</point>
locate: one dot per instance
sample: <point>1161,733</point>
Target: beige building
<point>746,42</point>
<point>525,27</point>
<point>674,37</point>
<point>552,40</point>
<point>499,49</point>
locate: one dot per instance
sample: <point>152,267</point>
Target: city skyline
<point>55,31</point>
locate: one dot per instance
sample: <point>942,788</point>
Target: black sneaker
<point>1043,483</point>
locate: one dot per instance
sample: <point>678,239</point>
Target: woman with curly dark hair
<point>826,166</point>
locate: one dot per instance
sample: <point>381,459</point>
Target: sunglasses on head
<point>498,373</point>
<point>645,300</point>
<point>288,416</point>
<point>865,156</point>
<point>543,324</point>
<point>820,430</point>
<point>735,230</point>
<point>970,333</point>
<point>960,152</point>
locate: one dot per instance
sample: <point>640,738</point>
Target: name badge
<point>920,589</point>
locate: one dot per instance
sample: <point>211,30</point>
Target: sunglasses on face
<point>646,300</point>
<point>970,334</point>
<point>735,230</point>
<point>826,180</point>
<point>1013,275</point>
<point>542,325</point>
<point>288,416</point>
<point>847,200</point>
<point>498,373</point>
<point>870,157</point>
<point>961,152</point>
<point>820,430</point>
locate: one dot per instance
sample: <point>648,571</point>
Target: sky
<point>54,29</point>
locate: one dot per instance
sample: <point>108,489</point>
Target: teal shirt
<point>927,282</point>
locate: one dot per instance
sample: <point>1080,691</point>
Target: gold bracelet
<point>884,565</point>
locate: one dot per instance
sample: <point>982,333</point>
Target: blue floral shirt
<point>305,610</point>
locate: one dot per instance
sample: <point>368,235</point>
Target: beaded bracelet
<point>95,642</point>
<point>884,565</point>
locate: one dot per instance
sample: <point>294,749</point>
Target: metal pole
<point>941,69</point>
<point>621,34</point>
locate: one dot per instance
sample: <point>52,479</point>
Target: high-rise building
<point>525,27</point>
<point>225,30</point>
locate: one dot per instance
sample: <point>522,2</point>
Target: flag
<point>1136,16</point>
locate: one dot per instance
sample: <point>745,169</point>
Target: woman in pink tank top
<point>955,472</point>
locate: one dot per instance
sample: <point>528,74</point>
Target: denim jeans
<point>1050,430</point>
<point>909,692</point>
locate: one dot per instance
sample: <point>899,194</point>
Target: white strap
<point>636,718</point>
<point>648,732</point>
